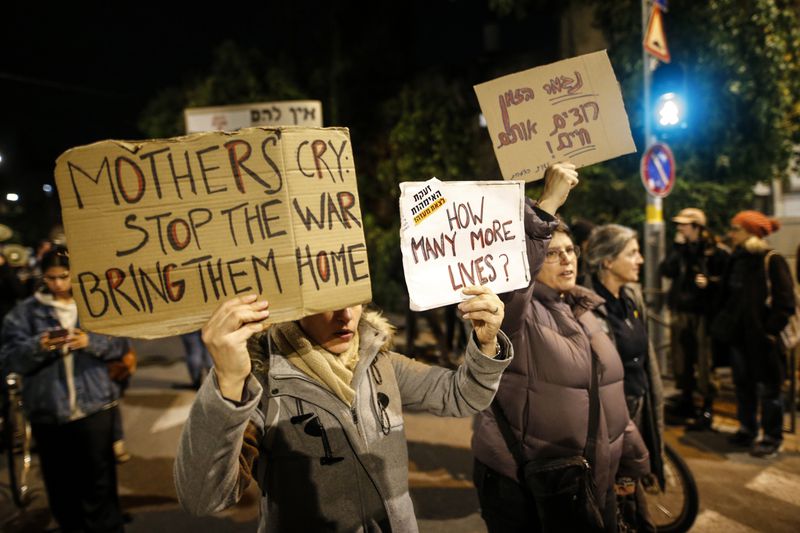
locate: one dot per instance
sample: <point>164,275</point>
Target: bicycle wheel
<point>674,509</point>
<point>17,436</point>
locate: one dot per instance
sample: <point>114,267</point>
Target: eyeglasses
<point>553,255</point>
<point>56,278</point>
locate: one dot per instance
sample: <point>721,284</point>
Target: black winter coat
<point>682,265</point>
<point>652,429</point>
<point>744,319</point>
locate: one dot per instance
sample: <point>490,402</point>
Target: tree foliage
<point>432,130</point>
<point>236,75</point>
<point>742,71</point>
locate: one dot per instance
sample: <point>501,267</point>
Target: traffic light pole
<point>654,239</point>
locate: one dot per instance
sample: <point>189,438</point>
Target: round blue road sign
<point>658,170</point>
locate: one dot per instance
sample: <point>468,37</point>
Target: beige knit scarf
<point>333,371</point>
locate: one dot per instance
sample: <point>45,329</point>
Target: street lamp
<point>12,197</point>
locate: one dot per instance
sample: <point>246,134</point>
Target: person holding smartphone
<point>67,396</point>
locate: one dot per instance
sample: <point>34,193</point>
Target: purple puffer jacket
<point>544,393</point>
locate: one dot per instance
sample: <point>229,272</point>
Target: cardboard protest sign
<point>307,113</point>
<point>160,232</point>
<point>461,233</point>
<point>566,111</point>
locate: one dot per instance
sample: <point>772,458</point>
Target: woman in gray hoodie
<point>313,410</point>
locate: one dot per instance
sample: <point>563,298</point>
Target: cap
<point>690,215</point>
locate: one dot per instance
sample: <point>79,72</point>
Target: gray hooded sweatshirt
<point>323,465</point>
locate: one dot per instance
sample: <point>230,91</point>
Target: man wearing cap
<point>695,265</point>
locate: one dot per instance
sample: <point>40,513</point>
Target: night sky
<point>71,76</point>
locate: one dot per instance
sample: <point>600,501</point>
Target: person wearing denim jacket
<point>67,396</point>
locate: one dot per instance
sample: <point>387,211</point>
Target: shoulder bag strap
<point>766,276</point>
<point>594,414</point>
<point>514,446</point>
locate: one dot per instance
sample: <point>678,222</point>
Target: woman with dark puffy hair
<point>68,397</point>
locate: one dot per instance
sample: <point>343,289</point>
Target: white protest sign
<point>461,233</point>
<point>307,113</point>
<point>566,111</point>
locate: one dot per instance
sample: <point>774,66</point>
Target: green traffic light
<point>669,110</point>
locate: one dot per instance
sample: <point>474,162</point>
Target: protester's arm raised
<point>486,312</point>
<point>540,222</point>
<point>208,477</point>
<point>471,387</point>
<point>558,181</point>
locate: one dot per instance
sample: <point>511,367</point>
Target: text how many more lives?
<point>460,217</point>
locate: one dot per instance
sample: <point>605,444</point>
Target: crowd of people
<point>72,383</point>
<point>561,375</point>
<point>729,303</point>
<point>567,392</point>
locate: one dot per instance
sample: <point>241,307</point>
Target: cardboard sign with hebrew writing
<point>460,233</point>
<point>566,111</point>
<point>306,113</point>
<point>160,232</point>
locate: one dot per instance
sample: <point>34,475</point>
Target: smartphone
<point>57,333</point>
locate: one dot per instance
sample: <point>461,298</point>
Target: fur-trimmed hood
<point>376,320</point>
<point>755,245</point>
<point>258,345</point>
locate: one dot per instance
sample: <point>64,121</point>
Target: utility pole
<point>654,239</point>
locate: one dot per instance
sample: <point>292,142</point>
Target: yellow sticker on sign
<point>427,201</point>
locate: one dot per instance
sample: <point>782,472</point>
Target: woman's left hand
<point>77,340</point>
<point>486,312</point>
<point>624,486</point>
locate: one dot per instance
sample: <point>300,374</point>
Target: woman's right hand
<point>558,181</point>
<point>225,335</point>
<point>50,343</point>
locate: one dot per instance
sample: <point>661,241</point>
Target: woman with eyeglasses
<point>68,397</point>
<point>543,408</point>
<point>756,302</point>
<point>614,259</point>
